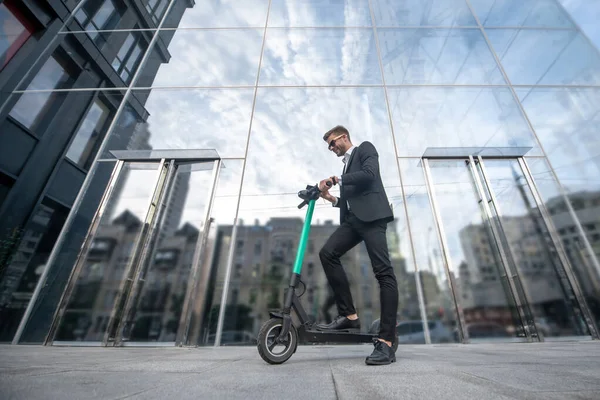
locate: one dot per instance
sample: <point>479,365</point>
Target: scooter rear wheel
<point>267,346</point>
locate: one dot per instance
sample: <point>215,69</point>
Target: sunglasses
<point>332,142</point>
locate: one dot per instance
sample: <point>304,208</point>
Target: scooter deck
<point>315,336</point>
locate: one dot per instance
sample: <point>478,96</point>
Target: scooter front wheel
<point>271,351</point>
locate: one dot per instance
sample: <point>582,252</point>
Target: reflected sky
<point>299,13</point>
<point>442,56</point>
<point>219,14</point>
<point>456,117</point>
<point>546,57</point>
<point>286,150</point>
<point>211,58</point>
<point>422,13</point>
<point>320,57</point>
<point>566,122</point>
<point>531,13</point>
<point>586,14</point>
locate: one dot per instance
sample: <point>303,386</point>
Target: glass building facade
<point>151,152</point>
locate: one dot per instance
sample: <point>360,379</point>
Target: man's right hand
<point>328,196</point>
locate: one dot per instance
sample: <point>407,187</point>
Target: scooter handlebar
<point>310,193</point>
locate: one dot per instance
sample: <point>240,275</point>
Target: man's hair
<point>338,130</point>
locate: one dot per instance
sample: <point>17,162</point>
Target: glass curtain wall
<point>260,81</point>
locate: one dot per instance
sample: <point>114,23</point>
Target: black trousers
<point>350,233</point>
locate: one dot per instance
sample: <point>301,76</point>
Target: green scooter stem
<point>304,237</point>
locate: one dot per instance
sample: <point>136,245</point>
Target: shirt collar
<point>348,154</point>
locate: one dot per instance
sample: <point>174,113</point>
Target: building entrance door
<point>136,278</point>
<point>508,273</point>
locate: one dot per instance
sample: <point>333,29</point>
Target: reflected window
<point>33,108</point>
<point>15,29</point>
<point>85,145</point>
<point>156,8</point>
<point>130,55</point>
<point>99,15</point>
<point>22,273</point>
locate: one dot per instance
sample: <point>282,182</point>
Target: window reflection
<point>218,14</point>
<point>31,109</point>
<point>21,273</point>
<point>546,57</point>
<point>186,119</point>
<point>516,13</point>
<point>101,15</point>
<point>320,57</point>
<point>445,13</point>
<point>457,117</point>
<point>15,29</point>
<point>130,55</point>
<point>303,13</point>
<point>87,138</point>
<point>440,56</point>
<point>210,58</point>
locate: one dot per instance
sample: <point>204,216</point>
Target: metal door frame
<point>167,162</point>
<point>473,158</point>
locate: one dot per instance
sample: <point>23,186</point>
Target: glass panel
<point>586,15</point>
<point>304,13</point>
<point>422,13</point>
<point>38,325</point>
<point>539,270</point>
<point>270,221</point>
<point>21,275</point>
<point>444,56</point>
<point>546,57</point>
<point>217,14</point>
<point>207,299</point>
<point>320,57</point>
<point>586,204</point>
<point>32,109</point>
<point>439,304</point>
<point>89,308</point>
<point>199,58</point>
<point>531,13</point>
<point>489,308</point>
<point>566,122</point>
<point>457,117</point>
<point>185,119</point>
<point>90,133</point>
<point>166,271</point>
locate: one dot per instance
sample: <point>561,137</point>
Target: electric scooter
<point>279,330</point>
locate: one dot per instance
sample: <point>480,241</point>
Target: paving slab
<point>551,370</point>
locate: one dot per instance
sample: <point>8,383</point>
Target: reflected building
<point>486,131</point>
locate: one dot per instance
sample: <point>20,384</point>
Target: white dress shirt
<point>345,161</point>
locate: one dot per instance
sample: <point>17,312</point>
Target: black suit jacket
<point>362,187</point>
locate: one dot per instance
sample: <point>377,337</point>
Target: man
<point>364,215</point>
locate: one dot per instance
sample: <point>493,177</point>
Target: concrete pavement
<point>559,370</point>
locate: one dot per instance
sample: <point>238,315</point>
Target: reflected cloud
<point>302,13</point>
<point>422,13</point>
<point>320,57</point>
<point>532,13</point>
<point>210,58</point>
<point>566,122</point>
<point>287,151</point>
<point>218,14</point>
<point>546,57</point>
<point>443,56</point>
<point>456,117</point>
